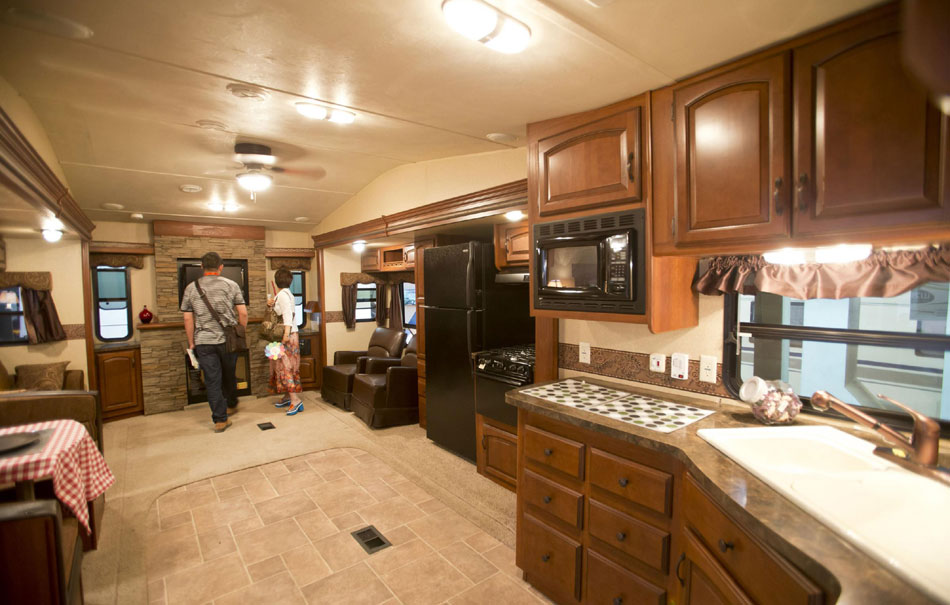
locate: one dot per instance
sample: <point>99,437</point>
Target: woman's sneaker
<point>282,403</point>
<point>295,409</point>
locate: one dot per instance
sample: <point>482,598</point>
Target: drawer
<point>631,536</point>
<point>557,500</point>
<point>635,482</point>
<point>611,584</point>
<point>556,452</point>
<point>764,574</point>
<point>551,558</point>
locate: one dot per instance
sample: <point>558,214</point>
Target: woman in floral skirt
<point>285,372</point>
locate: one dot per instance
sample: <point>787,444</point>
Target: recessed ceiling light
<point>312,110</point>
<point>111,206</point>
<point>480,21</point>
<point>301,219</point>
<point>247,91</point>
<point>501,137</point>
<point>514,215</point>
<point>212,125</point>
<point>46,23</point>
<point>359,245</point>
<point>190,188</point>
<point>137,215</point>
<point>254,180</point>
<point>341,116</point>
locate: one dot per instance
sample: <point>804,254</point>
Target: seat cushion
<point>370,389</point>
<point>340,377</point>
<point>6,381</point>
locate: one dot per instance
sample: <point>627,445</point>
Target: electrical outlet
<point>657,362</point>
<point>679,366</point>
<point>707,368</point>
<point>585,352</point>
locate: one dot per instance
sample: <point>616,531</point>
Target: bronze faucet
<point>922,447</point>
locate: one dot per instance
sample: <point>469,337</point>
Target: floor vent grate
<point>265,426</point>
<point>370,539</point>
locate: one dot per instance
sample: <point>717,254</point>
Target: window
<point>113,303</point>
<point>298,287</point>
<point>407,291</point>
<point>365,302</point>
<point>12,324</point>
<point>853,348</point>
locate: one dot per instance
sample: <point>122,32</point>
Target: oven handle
<point>574,291</point>
<point>515,382</point>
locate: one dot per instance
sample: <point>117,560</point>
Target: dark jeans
<point>218,368</point>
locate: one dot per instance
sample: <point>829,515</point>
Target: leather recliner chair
<point>387,394</point>
<point>338,378</point>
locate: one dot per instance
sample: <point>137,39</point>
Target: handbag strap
<point>208,304</point>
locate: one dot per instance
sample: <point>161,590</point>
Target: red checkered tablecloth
<point>70,458</point>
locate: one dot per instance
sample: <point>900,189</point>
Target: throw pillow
<point>41,376</point>
<point>6,381</point>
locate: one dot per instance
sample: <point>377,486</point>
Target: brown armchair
<point>387,394</point>
<point>338,378</point>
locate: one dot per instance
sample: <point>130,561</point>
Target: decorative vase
<point>145,316</point>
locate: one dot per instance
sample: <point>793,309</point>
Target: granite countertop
<point>825,557</point>
<point>117,346</point>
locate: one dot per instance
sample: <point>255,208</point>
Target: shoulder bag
<point>272,328</point>
<point>235,337</point>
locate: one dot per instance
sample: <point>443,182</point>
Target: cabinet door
<point>731,141</point>
<point>498,455</point>
<point>871,149</point>
<point>409,257</point>
<point>308,372</point>
<point>512,245</point>
<point>597,164</point>
<point>703,581</point>
<point>119,382</point>
<point>369,261</point>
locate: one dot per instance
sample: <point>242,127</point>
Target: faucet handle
<point>925,442</point>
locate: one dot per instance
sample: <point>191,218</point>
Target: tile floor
<point>280,533</point>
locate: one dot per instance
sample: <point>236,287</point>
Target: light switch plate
<point>707,368</point>
<point>679,366</point>
<point>657,362</point>
<point>585,352</point>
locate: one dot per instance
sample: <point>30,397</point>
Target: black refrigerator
<point>465,312</point>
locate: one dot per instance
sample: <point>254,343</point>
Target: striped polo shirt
<point>223,294</point>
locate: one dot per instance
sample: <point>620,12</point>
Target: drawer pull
<point>545,558</point>
<point>623,482</point>
<point>548,451</point>
<point>618,600</point>
<point>547,499</point>
<point>724,546</point>
<point>679,562</point>
<point>621,536</point>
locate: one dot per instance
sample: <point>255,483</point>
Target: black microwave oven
<point>591,264</point>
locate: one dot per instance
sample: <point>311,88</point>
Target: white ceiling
<point>120,108</point>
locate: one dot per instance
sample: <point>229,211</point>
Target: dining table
<point>58,450</point>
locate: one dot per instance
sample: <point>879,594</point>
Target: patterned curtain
<point>349,305</point>
<point>39,313</point>
<point>395,307</point>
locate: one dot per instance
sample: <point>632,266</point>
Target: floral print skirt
<point>285,372</point>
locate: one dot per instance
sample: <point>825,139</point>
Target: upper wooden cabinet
<point>512,245</point>
<point>390,258</point>
<point>369,261</point>
<point>731,157</point>
<point>592,164</point>
<point>871,148</point>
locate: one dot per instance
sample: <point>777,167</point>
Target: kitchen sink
<point>897,517</point>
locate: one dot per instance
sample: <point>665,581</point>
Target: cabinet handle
<point>724,546</point>
<point>621,536</point>
<point>779,209</point>
<point>630,166</point>
<point>548,451</point>
<point>545,558</point>
<point>547,499</point>
<point>507,252</point>
<point>623,482</point>
<point>618,600</point>
<point>679,562</point>
<point>484,442</point>
<point>802,183</point>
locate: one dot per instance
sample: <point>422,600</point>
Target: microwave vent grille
<point>573,227</point>
<point>590,225</point>
<point>607,222</point>
<point>558,228</point>
<point>627,220</point>
<point>544,230</point>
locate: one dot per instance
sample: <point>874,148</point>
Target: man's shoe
<point>232,411</point>
<point>295,409</point>
<point>220,427</point>
<point>282,403</point>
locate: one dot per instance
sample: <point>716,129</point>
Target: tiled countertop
<point>824,556</point>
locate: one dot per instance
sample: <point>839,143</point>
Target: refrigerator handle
<point>469,278</point>
<point>470,319</point>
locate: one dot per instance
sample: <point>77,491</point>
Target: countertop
<point>117,346</point>
<point>824,556</point>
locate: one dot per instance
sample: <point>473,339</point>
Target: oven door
<point>490,398</point>
<point>571,267</point>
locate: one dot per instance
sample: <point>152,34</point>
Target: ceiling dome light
<point>501,137</point>
<point>311,110</point>
<point>359,245</point>
<point>112,206</point>
<point>189,188</point>
<point>511,38</point>
<point>471,18</point>
<point>212,125</point>
<point>514,215</point>
<point>247,91</point>
<point>137,215</point>
<point>52,235</point>
<point>301,219</point>
<point>254,180</point>
<point>341,116</point>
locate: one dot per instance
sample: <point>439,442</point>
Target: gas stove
<point>510,364</point>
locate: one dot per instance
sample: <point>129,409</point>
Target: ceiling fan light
<point>311,110</point>
<point>471,18</point>
<point>511,38</point>
<point>341,116</point>
<point>254,180</point>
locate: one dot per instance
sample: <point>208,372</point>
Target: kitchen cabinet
<point>369,260</point>
<point>497,453</point>
<point>311,377</point>
<point>512,245</point>
<point>397,258</point>
<point>120,381</point>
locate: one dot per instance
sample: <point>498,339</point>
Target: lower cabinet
<point>496,456</point>
<point>311,375</point>
<point>119,373</point>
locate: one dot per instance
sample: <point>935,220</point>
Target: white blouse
<point>284,306</point>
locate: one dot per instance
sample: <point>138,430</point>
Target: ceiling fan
<point>257,160</point>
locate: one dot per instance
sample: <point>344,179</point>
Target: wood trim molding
<point>121,248</point>
<point>486,202</point>
<point>25,172</point>
<point>88,314</point>
<point>321,307</point>
<point>289,253</point>
<point>188,229</point>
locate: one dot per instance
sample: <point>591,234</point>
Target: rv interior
<point>594,301</point>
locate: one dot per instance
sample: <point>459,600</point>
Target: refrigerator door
<point>453,275</point>
<point>450,399</point>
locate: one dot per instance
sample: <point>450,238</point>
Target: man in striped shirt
<point>206,335</point>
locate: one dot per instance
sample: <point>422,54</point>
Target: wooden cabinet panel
<point>409,256</point>
<point>870,149</point>
<point>596,164</point>
<point>310,376</point>
<point>704,581</point>
<point>556,500</point>
<point>512,245</point>
<point>392,258</point>
<point>611,584</point>
<point>307,370</point>
<point>369,261</point>
<point>731,154</point>
<point>551,558</point>
<point>555,452</point>
<point>637,483</point>
<point>631,536</point>
<point>120,382</point>
<point>497,458</point>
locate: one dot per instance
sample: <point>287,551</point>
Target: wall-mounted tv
<point>190,269</point>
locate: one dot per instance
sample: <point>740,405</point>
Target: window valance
<point>34,280</point>
<point>136,261</point>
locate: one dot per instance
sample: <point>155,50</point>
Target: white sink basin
<point>899,518</point>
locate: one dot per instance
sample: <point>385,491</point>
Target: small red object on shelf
<point>145,316</point>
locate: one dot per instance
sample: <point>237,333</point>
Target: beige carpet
<point>151,455</point>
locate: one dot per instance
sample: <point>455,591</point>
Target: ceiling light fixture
<point>47,23</point>
<point>247,91</point>
<point>189,188</point>
<point>477,20</point>
<point>137,215</point>
<point>514,215</point>
<point>359,245</point>
<point>215,206</point>
<point>212,125</point>
<point>112,206</point>
<point>231,207</point>
<point>254,180</point>
<point>301,219</point>
<point>341,116</point>
<point>52,235</point>
<point>312,110</point>
<point>501,137</point>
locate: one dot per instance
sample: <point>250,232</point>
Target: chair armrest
<point>25,407</point>
<point>402,387</point>
<point>73,381</point>
<point>341,357</point>
<point>378,365</point>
